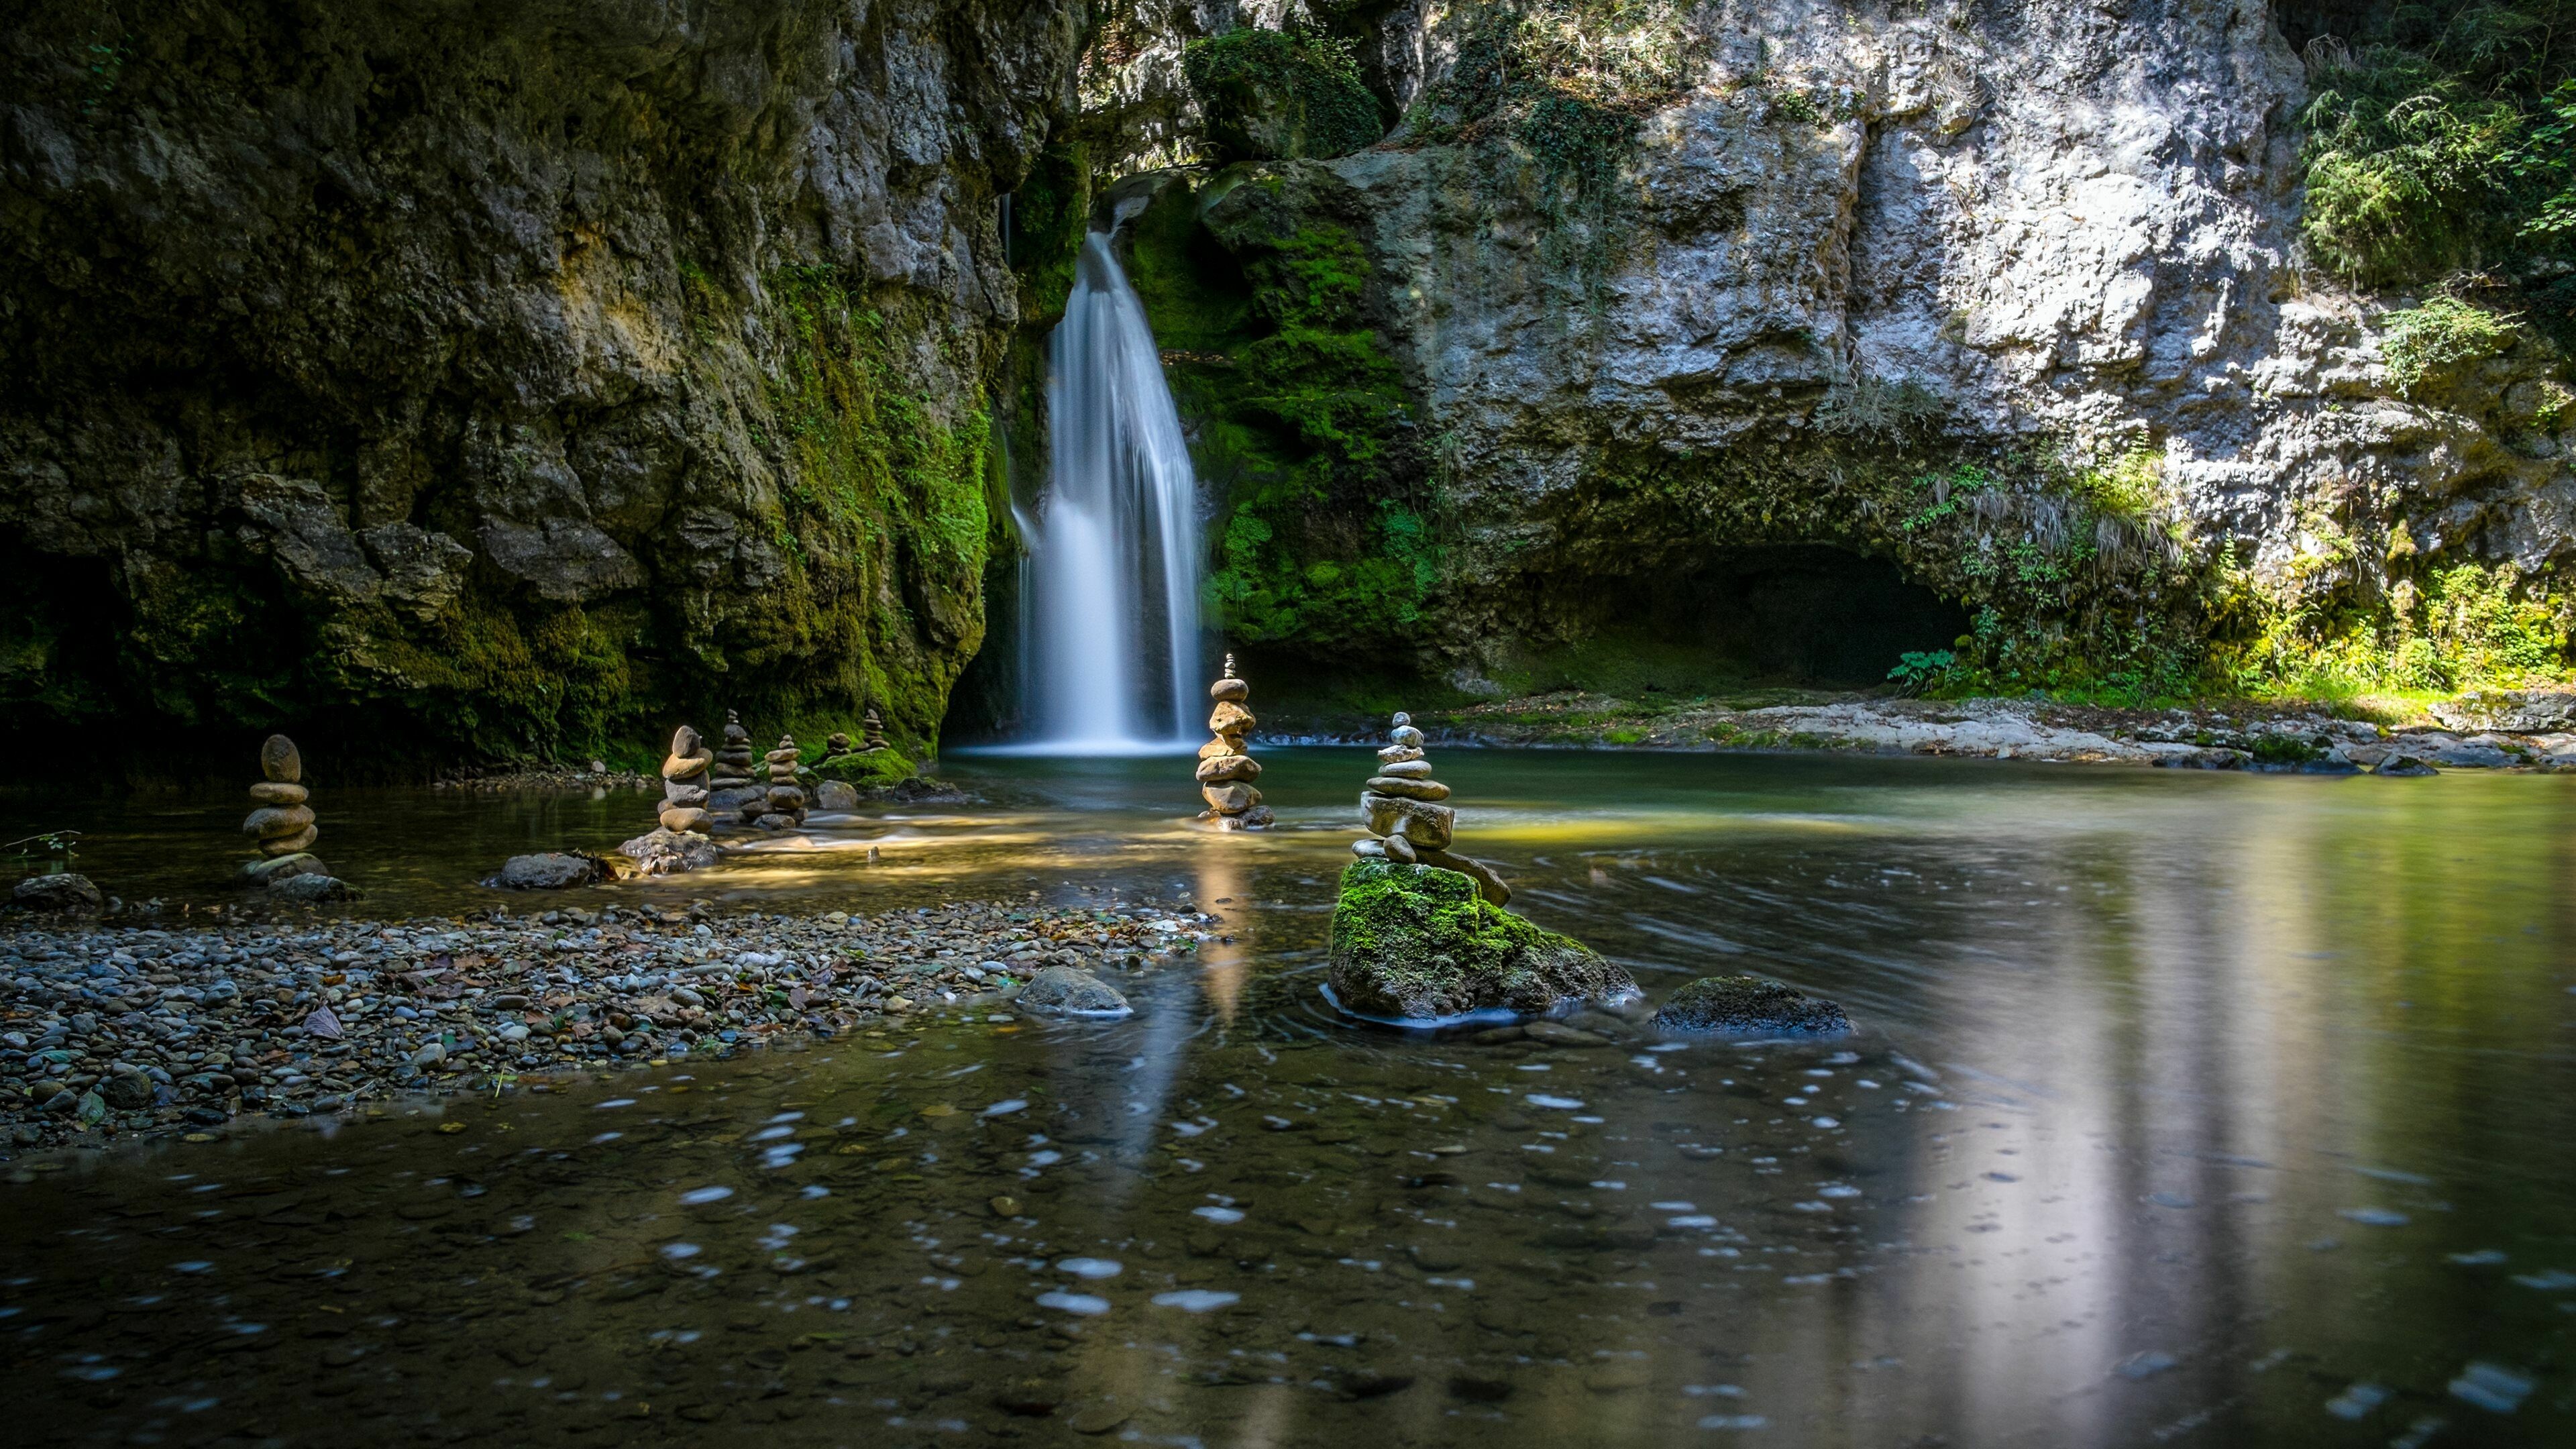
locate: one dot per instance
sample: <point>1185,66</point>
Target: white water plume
<point>1112,605</point>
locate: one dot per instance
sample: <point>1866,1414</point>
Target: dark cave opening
<point>1797,614</point>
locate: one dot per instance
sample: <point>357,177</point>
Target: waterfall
<point>1112,606</point>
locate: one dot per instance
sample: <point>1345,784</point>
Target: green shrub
<point>2445,330</point>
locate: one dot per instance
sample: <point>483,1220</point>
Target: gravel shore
<point>111,1030</point>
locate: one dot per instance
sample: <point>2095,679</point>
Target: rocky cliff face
<point>2009,294</point>
<point>503,379</point>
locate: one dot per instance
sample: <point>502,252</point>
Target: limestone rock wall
<point>1858,229</point>
<point>502,379</point>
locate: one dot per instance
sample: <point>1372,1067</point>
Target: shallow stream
<point>2198,1109</point>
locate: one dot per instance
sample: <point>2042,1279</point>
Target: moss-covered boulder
<point>1750,1006</point>
<point>876,768</point>
<point>1414,942</point>
<point>1268,95</point>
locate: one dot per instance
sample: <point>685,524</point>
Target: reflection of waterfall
<point>1113,604</point>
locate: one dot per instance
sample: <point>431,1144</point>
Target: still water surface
<point>2183,1109</point>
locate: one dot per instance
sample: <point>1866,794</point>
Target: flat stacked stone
<point>786,798</point>
<point>873,731</point>
<point>1401,806</point>
<point>279,818</point>
<point>685,788</point>
<point>837,745</point>
<point>1226,767</point>
<point>731,794</point>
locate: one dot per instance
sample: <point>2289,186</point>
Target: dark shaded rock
<point>1750,1006</point>
<point>2405,765</point>
<point>1417,943</point>
<point>66,894</point>
<point>1073,992</point>
<point>307,889</point>
<point>1275,96</point>
<point>555,870</point>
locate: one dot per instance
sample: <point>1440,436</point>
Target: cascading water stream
<point>1112,607</point>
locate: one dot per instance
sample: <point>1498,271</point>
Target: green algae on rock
<point>1417,943</point>
<point>1750,1006</point>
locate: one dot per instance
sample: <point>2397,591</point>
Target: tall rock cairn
<point>1401,806</point>
<point>732,796</point>
<point>786,797</point>
<point>1226,767</point>
<point>871,732</point>
<point>279,818</point>
<point>685,787</point>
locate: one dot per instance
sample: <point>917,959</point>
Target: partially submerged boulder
<point>551,871</point>
<point>1750,1006</point>
<point>63,894</point>
<point>1071,991</point>
<point>669,852</point>
<point>1417,943</point>
<point>310,888</point>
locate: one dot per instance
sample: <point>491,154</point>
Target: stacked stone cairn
<point>279,818</point>
<point>837,745</point>
<point>873,731</point>
<point>282,823</point>
<point>786,797</point>
<point>685,788</point>
<point>731,794</point>
<point>1401,805</point>
<point>1226,767</point>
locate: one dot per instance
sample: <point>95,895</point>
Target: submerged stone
<point>1419,942</point>
<point>310,887</point>
<point>1751,1006</point>
<point>1072,991</point>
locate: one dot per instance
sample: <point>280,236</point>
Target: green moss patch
<point>1281,95</point>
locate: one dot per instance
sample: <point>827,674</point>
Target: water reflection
<point>2195,1110</point>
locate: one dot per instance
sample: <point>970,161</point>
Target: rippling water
<point>2184,1109</point>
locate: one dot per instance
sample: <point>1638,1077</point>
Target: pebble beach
<point>113,1030</point>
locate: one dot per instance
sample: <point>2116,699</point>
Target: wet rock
<point>554,870</point>
<point>664,852</point>
<point>836,795</point>
<point>1416,942</point>
<point>308,889</point>
<point>65,894</point>
<point>1071,991</point>
<point>2402,764</point>
<point>1750,1006</point>
<point>278,868</point>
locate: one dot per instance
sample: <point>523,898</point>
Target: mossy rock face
<point>1271,96</point>
<point>882,767</point>
<point>1413,942</point>
<point>1750,1006</point>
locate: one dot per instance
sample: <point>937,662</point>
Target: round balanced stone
<point>1230,689</point>
<point>1413,769</point>
<point>1218,768</point>
<point>278,792</point>
<point>279,760</point>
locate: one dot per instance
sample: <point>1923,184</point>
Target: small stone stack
<point>837,745</point>
<point>685,787</point>
<point>732,796</point>
<point>280,819</point>
<point>873,731</point>
<point>1401,807</point>
<point>786,798</point>
<point>1226,767</point>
